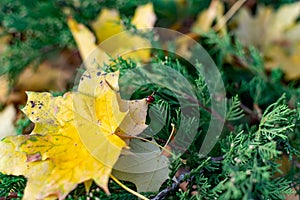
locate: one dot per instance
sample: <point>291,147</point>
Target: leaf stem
<point>171,135</point>
<point>146,140</point>
<point>164,148</point>
<point>128,189</point>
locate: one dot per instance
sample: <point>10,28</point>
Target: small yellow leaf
<point>123,42</point>
<point>144,16</point>
<point>86,42</point>
<point>107,24</point>
<point>129,46</point>
<point>206,18</point>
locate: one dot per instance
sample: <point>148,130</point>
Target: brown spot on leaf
<point>34,157</point>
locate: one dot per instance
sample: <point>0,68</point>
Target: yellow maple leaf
<point>73,141</point>
<point>72,162</point>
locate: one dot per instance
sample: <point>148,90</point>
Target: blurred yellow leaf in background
<point>7,118</point>
<point>86,43</point>
<point>276,34</point>
<point>206,18</point>
<point>107,25</point>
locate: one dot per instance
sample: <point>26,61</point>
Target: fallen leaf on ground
<point>107,25</point>
<point>275,33</point>
<point>147,168</point>
<point>206,18</point>
<point>267,26</point>
<point>61,144</point>
<point>144,17</point>
<point>56,73</point>
<point>86,43</point>
<point>53,78</point>
<point>288,61</point>
<point>4,89</point>
<point>56,157</point>
<point>14,162</point>
<point>292,197</point>
<point>7,117</point>
<point>4,40</point>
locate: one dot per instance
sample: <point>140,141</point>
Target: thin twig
<point>258,110</point>
<point>217,159</point>
<point>229,14</point>
<point>215,114</point>
<point>249,112</point>
<point>173,187</point>
<point>180,179</point>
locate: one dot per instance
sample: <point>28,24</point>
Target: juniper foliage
<point>261,129</point>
